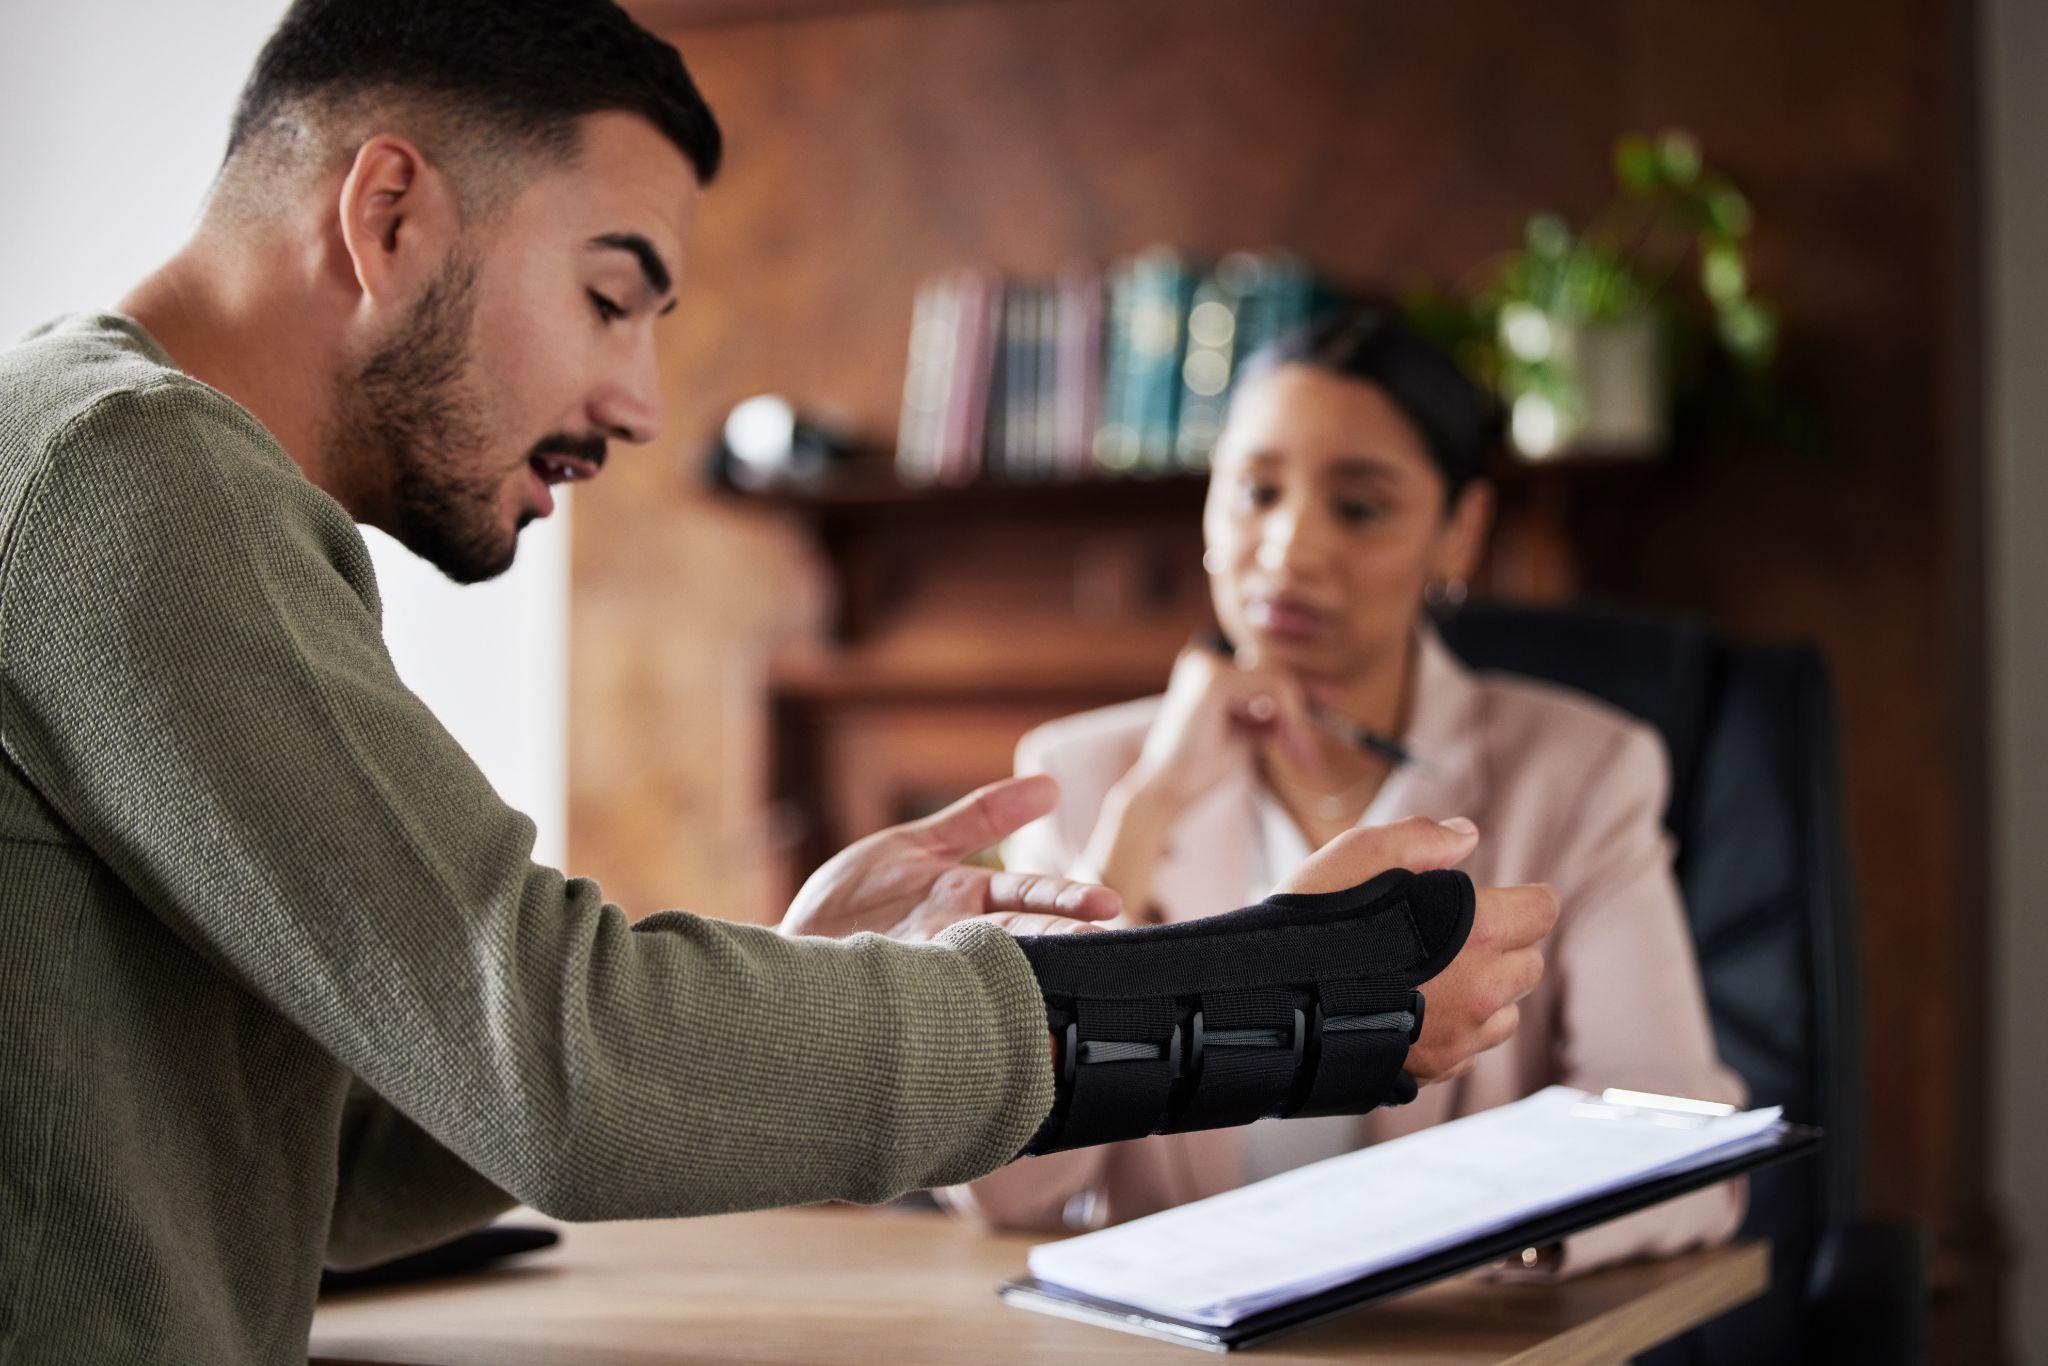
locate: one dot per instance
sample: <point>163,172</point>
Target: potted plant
<point>1577,330</point>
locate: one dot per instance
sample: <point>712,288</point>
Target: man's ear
<point>399,220</point>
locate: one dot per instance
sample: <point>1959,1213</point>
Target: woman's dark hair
<point>515,71</point>
<point>1458,420</point>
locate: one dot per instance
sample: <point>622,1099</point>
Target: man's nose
<point>629,407</point>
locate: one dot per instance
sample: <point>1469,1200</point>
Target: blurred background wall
<point>116,113</point>
<point>2015,47</point>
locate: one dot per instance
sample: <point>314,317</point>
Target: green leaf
<point>1549,237</point>
<point>1726,211</point>
<point>1750,333</point>
<point>1679,153</point>
<point>1722,273</point>
<point>1636,164</point>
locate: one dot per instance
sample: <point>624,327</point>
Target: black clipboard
<point>1783,1144</point>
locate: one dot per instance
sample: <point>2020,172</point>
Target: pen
<point>1329,718</point>
<point>1357,736</point>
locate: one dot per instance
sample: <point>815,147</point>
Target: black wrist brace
<point>1304,1004</point>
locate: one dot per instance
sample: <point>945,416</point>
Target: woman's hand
<point>908,881</point>
<point>1215,708</point>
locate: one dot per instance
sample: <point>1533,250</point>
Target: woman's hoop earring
<point>1445,594</point>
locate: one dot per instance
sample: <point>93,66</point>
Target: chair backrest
<point>1756,813</point>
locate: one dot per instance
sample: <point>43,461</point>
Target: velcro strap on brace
<point>1304,1004</point>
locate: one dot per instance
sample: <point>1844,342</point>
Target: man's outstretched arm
<point>398,1190</point>
<point>197,685</point>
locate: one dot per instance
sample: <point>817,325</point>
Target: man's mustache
<point>591,448</point>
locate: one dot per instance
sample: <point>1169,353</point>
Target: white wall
<point>2015,54</point>
<point>113,114</point>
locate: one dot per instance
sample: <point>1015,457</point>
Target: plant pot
<point>1586,388</point>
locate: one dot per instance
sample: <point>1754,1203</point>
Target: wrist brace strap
<point>1304,1004</point>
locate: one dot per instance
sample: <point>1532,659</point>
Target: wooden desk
<point>844,1285</point>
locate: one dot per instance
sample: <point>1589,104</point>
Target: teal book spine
<point>1158,313</point>
<point>1209,363</point>
<point>1116,436</point>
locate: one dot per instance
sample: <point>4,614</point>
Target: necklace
<point>1336,806</point>
<point>1332,806</point>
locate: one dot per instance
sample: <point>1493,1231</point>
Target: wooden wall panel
<point>1385,142</point>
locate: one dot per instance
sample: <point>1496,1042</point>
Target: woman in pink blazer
<point>1345,496</point>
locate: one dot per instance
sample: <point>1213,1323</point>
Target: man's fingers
<point>985,816</point>
<point>1022,923</point>
<point>1498,1029</point>
<point>1417,844</point>
<point>1514,917</point>
<point>1034,892</point>
<point>1436,1059</point>
<point>1521,972</point>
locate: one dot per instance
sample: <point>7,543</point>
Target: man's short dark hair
<point>508,76</point>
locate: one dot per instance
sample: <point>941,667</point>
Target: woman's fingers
<point>1295,726</point>
<point>1271,701</point>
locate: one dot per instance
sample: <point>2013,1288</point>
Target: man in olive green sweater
<point>279,982</point>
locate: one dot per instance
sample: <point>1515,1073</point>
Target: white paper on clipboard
<point>1222,1259</point>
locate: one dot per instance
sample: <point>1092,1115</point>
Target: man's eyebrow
<point>651,264</point>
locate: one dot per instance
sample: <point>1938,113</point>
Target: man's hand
<point>908,882</point>
<point>1471,1005</point>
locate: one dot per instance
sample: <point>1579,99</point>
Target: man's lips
<point>554,467</point>
<point>1287,617</point>
<point>548,468</point>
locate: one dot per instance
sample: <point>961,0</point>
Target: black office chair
<point>1756,813</point>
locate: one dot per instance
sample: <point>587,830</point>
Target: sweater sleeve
<point>196,681</point>
<point>397,1191</point>
<point>1633,1013</point>
<point>1054,1190</point>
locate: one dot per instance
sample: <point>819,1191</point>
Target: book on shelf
<point>1045,337</point>
<point>971,360</point>
<point>1077,387</point>
<point>1152,388</point>
<point>1208,364</point>
<point>1116,441</point>
<point>1237,307</point>
<point>1124,370</point>
<point>917,430</point>
<point>1016,372</point>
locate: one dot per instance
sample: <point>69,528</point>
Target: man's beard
<point>410,420</point>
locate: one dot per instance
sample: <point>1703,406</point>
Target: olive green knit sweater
<point>279,982</point>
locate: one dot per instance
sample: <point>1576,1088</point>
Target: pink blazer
<point>1565,790</point>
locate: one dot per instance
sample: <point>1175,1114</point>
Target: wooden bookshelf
<point>879,496</point>
<point>1125,542</point>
